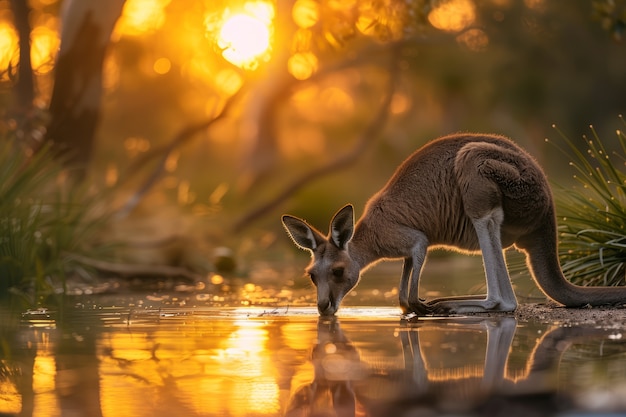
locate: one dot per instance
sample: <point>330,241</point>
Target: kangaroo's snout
<point>326,307</point>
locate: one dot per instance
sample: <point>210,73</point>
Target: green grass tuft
<point>43,221</point>
<point>592,214</point>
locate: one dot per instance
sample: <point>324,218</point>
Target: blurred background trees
<point>230,112</point>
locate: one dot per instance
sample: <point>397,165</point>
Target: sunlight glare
<point>244,356</point>
<point>244,36</point>
<point>452,15</point>
<point>244,39</point>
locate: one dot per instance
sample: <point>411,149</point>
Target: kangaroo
<point>469,192</point>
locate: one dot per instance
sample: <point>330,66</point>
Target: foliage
<point>612,16</point>
<point>42,224</point>
<point>593,225</point>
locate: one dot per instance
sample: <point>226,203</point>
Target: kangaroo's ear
<point>342,226</point>
<point>303,235</point>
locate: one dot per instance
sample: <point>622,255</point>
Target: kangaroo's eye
<point>338,272</point>
<point>313,277</point>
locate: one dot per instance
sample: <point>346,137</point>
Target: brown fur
<point>467,192</point>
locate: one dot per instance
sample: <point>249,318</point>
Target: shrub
<point>592,223</point>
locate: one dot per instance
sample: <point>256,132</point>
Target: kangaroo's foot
<point>474,297</point>
<point>464,305</point>
<point>418,307</point>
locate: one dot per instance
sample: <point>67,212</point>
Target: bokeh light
<point>474,39</point>
<point>228,81</point>
<point>302,65</point>
<point>141,16</point>
<point>452,15</point>
<point>162,66</point>
<point>305,13</point>
<point>44,45</point>
<point>8,48</point>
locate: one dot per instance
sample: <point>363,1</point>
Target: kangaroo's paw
<point>472,305</point>
<point>418,307</point>
<point>458,298</point>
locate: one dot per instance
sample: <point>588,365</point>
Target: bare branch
<point>163,152</point>
<point>24,87</point>
<point>340,162</point>
<point>135,270</point>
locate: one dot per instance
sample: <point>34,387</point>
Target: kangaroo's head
<point>331,393</point>
<point>332,269</point>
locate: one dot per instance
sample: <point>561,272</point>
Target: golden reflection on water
<point>269,364</point>
<point>204,367</point>
<point>10,398</point>
<point>44,383</point>
<point>243,355</point>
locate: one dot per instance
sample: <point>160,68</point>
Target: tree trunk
<point>24,90</point>
<point>75,104</point>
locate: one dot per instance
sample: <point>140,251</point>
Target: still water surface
<point>95,359</point>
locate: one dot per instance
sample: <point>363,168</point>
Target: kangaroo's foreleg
<point>409,282</point>
<point>403,289</point>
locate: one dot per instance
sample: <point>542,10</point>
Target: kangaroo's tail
<point>542,257</point>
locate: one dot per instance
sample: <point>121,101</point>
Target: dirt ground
<point>605,317</point>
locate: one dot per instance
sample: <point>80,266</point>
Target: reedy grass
<point>43,221</point>
<point>592,213</point>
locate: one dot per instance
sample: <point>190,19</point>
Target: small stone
<point>224,259</point>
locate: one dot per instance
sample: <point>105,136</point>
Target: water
<point>95,360</point>
<point>251,349</point>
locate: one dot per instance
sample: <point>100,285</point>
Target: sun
<point>245,38</point>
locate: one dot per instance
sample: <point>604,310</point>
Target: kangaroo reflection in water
<point>345,384</point>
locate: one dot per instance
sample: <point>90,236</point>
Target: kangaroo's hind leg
<point>482,170</point>
<point>500,295</point>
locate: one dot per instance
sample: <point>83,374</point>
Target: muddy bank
<point>606,317</point>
